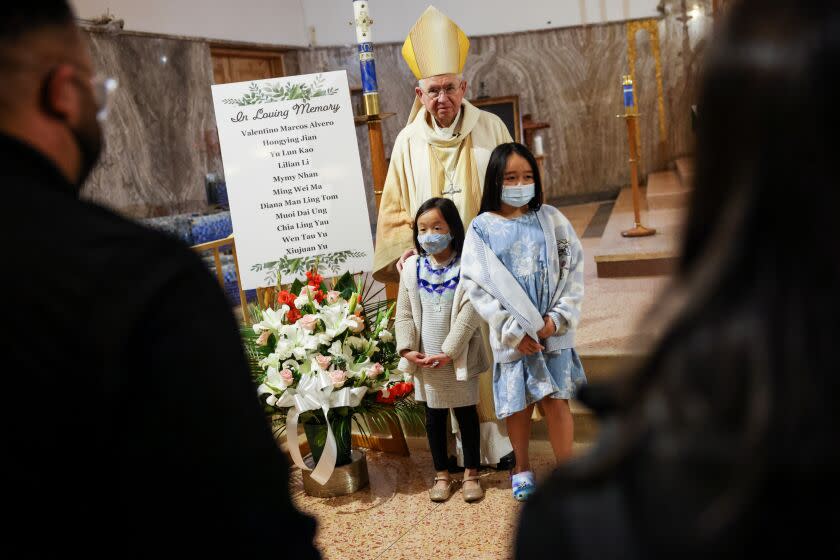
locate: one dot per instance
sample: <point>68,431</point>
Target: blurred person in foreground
<point>130,419</point>
<point>725,443</point>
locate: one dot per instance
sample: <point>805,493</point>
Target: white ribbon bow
<point>316,391</point>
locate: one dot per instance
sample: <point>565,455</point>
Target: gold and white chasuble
<point>425,165</point>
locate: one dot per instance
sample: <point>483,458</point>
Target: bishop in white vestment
<point>443,151</point>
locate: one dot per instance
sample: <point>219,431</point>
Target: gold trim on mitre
<point>435,46</point>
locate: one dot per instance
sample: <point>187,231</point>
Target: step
<point>604,366</point>
<point>664,191</point>
<point>685,171</point>
<point>656,255</point>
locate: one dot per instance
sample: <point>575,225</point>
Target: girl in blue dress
<point>522,267</point>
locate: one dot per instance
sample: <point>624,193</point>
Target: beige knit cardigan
<point>464,343</point>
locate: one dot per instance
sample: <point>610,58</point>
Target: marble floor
<point>394,519</point>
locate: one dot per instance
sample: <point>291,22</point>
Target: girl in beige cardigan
<point>440,342</point>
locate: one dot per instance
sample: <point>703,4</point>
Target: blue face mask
<point>518,196</point>
<point>434,243</point>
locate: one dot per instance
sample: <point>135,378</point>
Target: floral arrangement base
<point>344,480</point>
<point>316,435</point>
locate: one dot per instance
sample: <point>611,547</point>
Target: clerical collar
<point>449,131</point>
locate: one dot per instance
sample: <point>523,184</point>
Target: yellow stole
<point>451,162</point>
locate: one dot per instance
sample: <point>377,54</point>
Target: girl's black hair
<point>453,220</point>
<point>494,178</point>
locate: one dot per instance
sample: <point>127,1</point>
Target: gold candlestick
<point>631,116</point>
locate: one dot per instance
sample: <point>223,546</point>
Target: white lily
<point>356,370</point>
<point>333,317</point>
<point>323,339</point>
<point>342,351</point>
<point>345,351</point>
<point>310,342</point>
<point>357,342</point>
<point>271,361</point>
<point>386,336</point>
<point>285,348</point>
<point>302,367</point>
<point>289,340</point>
<point>272,320</point>
<point>306,344</point>
<point>354,323</point>
<point>293,333</point>
<point>273,384</point>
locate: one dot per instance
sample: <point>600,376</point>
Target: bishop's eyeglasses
<point>448,90</point>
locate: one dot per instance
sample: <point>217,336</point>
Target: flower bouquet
<point>323,358</point>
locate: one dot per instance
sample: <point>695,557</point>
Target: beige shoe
<point>472,492</point>
<point>441,494</point>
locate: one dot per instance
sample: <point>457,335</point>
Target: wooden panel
<point>244,69</point>
<point>242,65</point>
<point>245,52</point>
<point>221,71</point>
<point>277,67</point>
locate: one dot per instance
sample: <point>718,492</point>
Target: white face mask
<point>519,195</point>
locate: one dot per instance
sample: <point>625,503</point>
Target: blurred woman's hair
<point>741,392</point>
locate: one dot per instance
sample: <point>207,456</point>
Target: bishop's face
<point>442,96</point>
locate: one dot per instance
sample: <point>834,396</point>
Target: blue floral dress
<point>519,243</point>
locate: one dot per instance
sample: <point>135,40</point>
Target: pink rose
<point>263,339</point>
<point>323,361</point>
<point>338,378</point>
<point>287,376</point>
<point>308,323</point>
<point>333,296</point>
<point>376,370</point>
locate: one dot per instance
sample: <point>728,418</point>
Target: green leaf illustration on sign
<point>298,266</point>
<point>274,92</point>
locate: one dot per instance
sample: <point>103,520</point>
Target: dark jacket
<point>130,416</point>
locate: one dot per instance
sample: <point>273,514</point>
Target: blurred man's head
<point>442,96</point>
<point>48,98</point>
